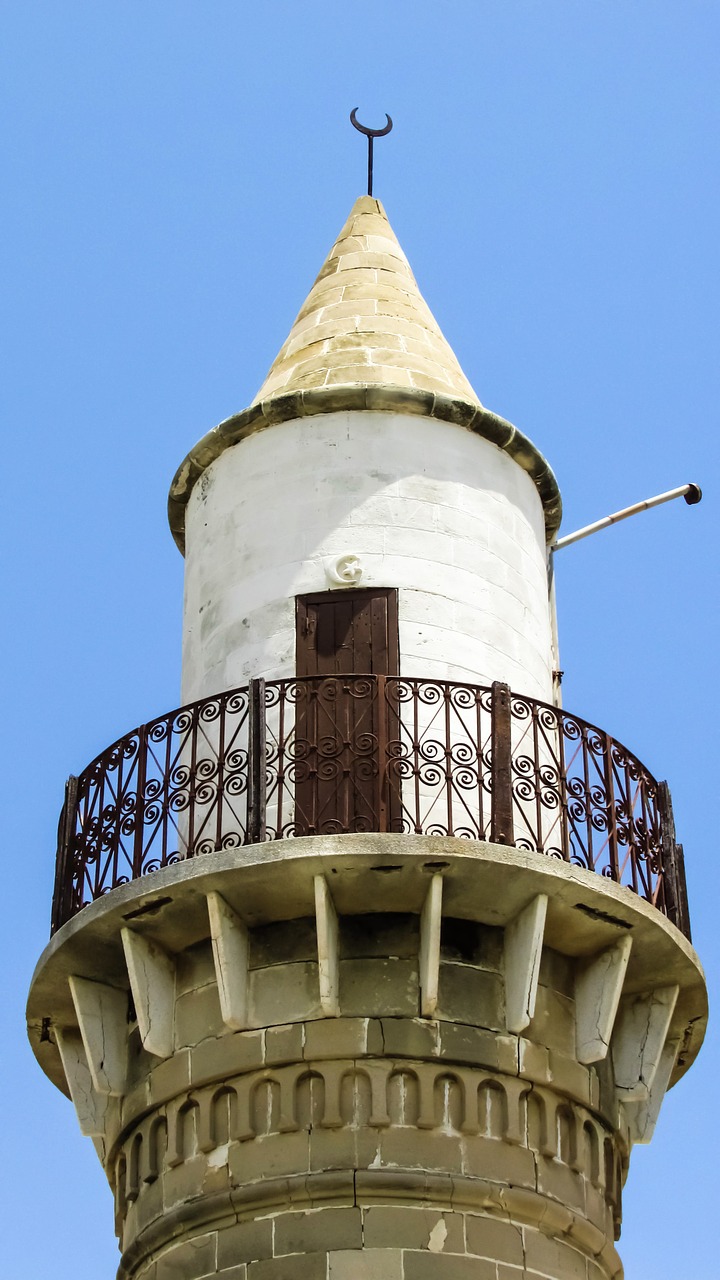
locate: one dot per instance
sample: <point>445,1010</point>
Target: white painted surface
<point>152,981</point>
<point>522,952</point>
<point>639,1039</point>
<point>430,930</point>
<point>424,506</point>
<point>92,1108</point>
<point>102,1014</point>
<point>642,1117</point>
<point>328,948</point>
<point>438,1236</point>
<point>231,954</point>
<point>598,987</point>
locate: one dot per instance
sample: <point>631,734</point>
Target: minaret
<point>370,962</point>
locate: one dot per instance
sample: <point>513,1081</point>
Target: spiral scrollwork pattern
<point>360,753</point>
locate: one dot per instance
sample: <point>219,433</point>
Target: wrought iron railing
<point>352,753</point>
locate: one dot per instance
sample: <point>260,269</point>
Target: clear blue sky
<point>174,174</point>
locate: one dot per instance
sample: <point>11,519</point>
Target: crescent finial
<point>370,134</point>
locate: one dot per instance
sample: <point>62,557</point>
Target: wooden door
<point>347,633</point>
<point>342,717</point>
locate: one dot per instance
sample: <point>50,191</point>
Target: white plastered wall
<point>427,507</point>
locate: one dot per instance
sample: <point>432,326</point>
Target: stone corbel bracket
<point>638,986</point>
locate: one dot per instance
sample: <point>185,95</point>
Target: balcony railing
<point>354,753</point>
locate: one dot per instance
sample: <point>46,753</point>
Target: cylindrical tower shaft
<point>406,1045</point>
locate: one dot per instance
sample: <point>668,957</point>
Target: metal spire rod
<point>370,134</point>
<point>692,493</point>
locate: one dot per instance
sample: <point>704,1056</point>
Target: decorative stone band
<point>307,404</point>
<point>397,1100</point>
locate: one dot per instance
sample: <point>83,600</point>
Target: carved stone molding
<point>455,1122</point>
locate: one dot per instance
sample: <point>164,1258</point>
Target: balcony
<point>353,753</point>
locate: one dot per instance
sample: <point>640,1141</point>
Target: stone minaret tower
<point>369,962</point>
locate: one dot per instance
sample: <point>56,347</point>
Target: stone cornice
<point>369,399</point>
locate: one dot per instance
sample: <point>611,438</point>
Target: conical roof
<point>365,340</point>
<point>365,322</point>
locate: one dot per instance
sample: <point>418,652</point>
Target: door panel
<point>347,632</point>
<point>343,724</point>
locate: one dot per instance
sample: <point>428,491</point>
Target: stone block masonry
<point>372,1140</point>
<point>444,516</point>
<point>366,1056</point>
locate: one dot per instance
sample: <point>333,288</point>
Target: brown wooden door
<point>347,632</point>
<point>343,718</point>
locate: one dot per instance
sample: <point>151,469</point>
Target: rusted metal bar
<point>256,819</point>
<point>62,889</point>
<point>565,826</point>
<point>219,803</point>
<point>383,791</point>
<point>501,827</point>
<point>138,842</point>
<point>683,912</point>
<point>669,854</point>
<point>610,811</point>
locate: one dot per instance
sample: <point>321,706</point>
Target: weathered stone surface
<point>472,996</point>
<point>374,985</point>
<point>430,1266</point>
<point>371,1264</point>
<point>342,1038</point>
<point>569,1076</point>
<point>405,1148</point>
<point>283,943</point>
<point>308,1266</point>
<point>343,1148</point>
<point>245,1242</point>
<point>149,1206</point>
<point>534,1061</point>
<point>270,1156</point>
<point>380,934</point>
<point>189,1261</point>
<point>553,1024</point>
<point>229,1054</point>
<point>559,1182</point>
<point>558,972</point>
<point>410,1037</point>
<point>318,1228</point>
<point>552,1257</point>
<point>284,1044</point>
<point>401,1227</point>
<point>194,968</point>
<point>493,1238</point>
<point>477,1046</point>
<point>498,1162</point>
<point>183,1182</point>
<point>197,1016</point>
<point>284,993</point>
